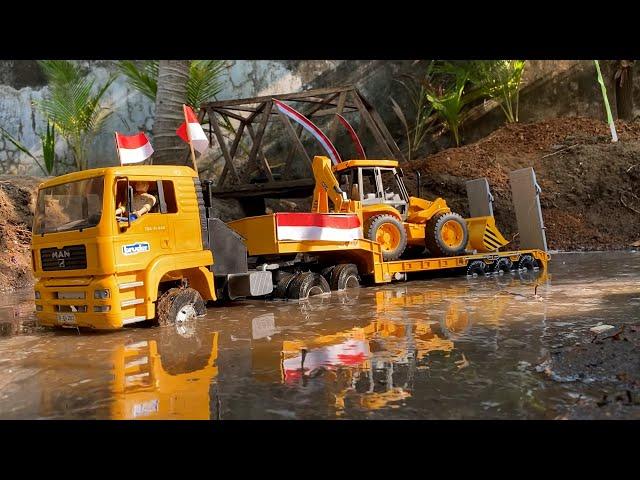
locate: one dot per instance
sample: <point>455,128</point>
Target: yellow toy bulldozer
<point>375,190</point>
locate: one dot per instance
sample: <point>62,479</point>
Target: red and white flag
<point>133,148</point>
<point>191,130</point>
<point>318,226</point>
<point>311,127</point>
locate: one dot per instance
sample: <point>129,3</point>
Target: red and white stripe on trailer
<point>318,226</point>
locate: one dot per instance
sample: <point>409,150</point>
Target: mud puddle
<point>513,347</point>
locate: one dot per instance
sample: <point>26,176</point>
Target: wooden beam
<point>232,153</point>
<point>373,128</point>
<point>223,145</point>
<point>258,140</point>
<point>299,188</point>
<point>252,134</point>
<point>338,111</point>
<point>287,96</point>
<point>383,128</point>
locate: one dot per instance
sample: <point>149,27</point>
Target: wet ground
<point>509,347</point>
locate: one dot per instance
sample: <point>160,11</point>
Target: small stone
<point>601,328</point>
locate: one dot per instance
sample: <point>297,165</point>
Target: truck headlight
<point>37,295</point>
<point>102,308</point>
<point>38,308</point>
<point>101,294</point>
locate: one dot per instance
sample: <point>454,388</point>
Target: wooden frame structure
<point>249,118</point>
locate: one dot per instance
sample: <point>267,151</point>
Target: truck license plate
<point>66,318</point>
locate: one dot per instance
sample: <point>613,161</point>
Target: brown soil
<point>17,202</point>
<point>586,180</point>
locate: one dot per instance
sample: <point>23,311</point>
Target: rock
<point>601,328</point>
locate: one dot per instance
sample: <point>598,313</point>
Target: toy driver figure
<point>143,202</point>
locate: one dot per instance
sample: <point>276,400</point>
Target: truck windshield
<point>71,206</point>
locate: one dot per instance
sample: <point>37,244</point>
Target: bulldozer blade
<point>484,236</point>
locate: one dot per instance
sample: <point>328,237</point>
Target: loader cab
<point>374,182</point>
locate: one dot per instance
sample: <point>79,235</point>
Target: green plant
<point>144,79</point>
<point>203,85</point>
<point>423,117</point>
<point>73,106</point>
<point>500,80</point>
<point>48,139</point>
<point>449,97</point>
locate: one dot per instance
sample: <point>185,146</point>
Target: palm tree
<point>170,96</point>
<point>170,84</point>
<point>74,106</point>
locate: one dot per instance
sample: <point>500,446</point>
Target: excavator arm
<point>327,188</point>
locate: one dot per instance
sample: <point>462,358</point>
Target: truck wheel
<point>476,268</point>
<point>344,276</point>
<point>526,262</point>
<point>283,284</point>
<point>179,305</point>
<point>307,284</point>
<point>502,265</point>
<point>446,235</point>
<point>389,232</point>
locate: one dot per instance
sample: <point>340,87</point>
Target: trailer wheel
<point>446,235</point>
<point>307,284</point>
<point>179,305</point>
<point>344,276</point>
<point>476,268</point>
<point>526,262</point>
<point>502,265</point>
<point>389,232</point>
<point>283,284</point>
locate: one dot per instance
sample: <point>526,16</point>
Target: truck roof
<point>364,163</point>
<point>154,171</point>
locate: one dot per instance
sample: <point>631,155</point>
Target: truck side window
<point>170,196</point>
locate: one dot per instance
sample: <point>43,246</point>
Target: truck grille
<point>73,257</point>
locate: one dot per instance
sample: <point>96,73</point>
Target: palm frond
<point>144,80</point>
<point>204,81</point>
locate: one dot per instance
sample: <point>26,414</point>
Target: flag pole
<point>193,153</point>
<point>115,137</point>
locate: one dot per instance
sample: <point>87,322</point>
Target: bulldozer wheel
<point>344,276</point>
<point>502,265</point>
<point>389,232</point>
<point>179,305</point>
<point>446,235</point>
<point>307,284</point>
<point>476,268</point>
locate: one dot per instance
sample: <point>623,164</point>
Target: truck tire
<point>344,276</point>
<point>502,265</point>
<point>476,268</point>
<point>446,235</point>
<point>526,262</point>
<point>389,232</point>
<point>283,285</point>
<point>307,284</point>
<point>179,305</point>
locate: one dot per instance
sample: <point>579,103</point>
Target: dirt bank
<point>589,198</point>
<point>17,202</point>
<point>607,362</point>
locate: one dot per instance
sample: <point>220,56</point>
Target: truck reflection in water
<point>359,363</point>
<point>149,384</point>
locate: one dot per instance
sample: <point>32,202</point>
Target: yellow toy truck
<point>98,266</point>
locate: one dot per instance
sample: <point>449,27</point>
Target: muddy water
<point>428,348</point>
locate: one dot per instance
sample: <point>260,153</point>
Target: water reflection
<point>153,383</point>
<point>429,348</point>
